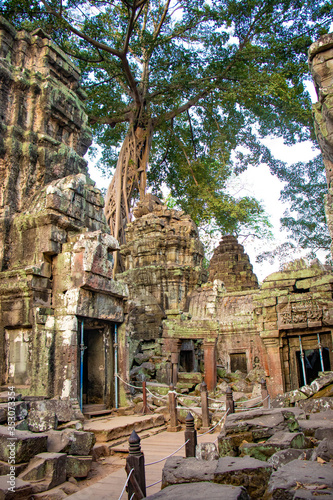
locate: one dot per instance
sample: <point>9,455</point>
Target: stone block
<point>78,466</point>
<point>247,471</point>
<point>41,421</point>
<point>187,470</point>
<point>283,457</point>
<point>286,440</point>
<point>19,407</point>
<point>198,491</point>
<point>57,493</point>
<point>45,471</point>
<point>19,490</point>
<point>303,476</point>
<point>6,468</point>
<point>324,450</point>
<point>206,451</point>
<point>63,409</point>
<point>25,446</point>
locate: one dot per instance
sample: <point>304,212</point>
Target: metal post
<point>135,460</point>
<point>173,427</point>
<point>116,381</point>
<point>302,360</point>
<point>229,401</point>
<point>264,394</point>
<point>190,436</point>
<point>204,407</point>
<point>320,353</point>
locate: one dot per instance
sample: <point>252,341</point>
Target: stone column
<point>175,348</point>
<point>210,364</point>
<point>274,380</point>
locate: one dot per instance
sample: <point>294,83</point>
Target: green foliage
<point>208,77</point>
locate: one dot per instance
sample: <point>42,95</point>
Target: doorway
<point>97,359</point>
<point>312,364</point>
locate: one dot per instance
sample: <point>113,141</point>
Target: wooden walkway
<point>154,448</point>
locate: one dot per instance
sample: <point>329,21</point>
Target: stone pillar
<point>190,436</point>
<point>274,380</point>
<point>175,348</point>
<point>210,364</point>
<point>204,408</point>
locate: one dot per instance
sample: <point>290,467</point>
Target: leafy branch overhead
<point>175,87</point>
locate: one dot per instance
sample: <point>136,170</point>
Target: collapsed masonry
<point>65,323</point>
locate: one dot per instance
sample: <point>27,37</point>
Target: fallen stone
<point>283,457</point>
<point>25,446</point>
<point>179,470</point>
<point>19,409</point>
<point>73,424</point>
<point>300,475</point>
<point>64,410</point>
<point>22,425</point>
<point>4,396</point>
<point>6,468</point>
<point>42,420</point>
<point>99,450</point>
<point>260,451</point>
<point>310,427</point>
<point>286,440</point>
<point>316,405</point>
<point>206,451</point>
<point>45,471</point>
<point>198,491</point>
<point>19,490</point>
<point>324,450</point>
<point>3,415</point>
<point>78,466</point>
<point>247,471</point>
<point>70,441</point>
<point>59,492</point>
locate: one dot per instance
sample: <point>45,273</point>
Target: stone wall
<point>57,253</point>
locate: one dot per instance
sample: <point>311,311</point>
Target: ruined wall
<point>57,256</point>
<point>321,66</point>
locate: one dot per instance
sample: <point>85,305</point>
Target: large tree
<point>176,86</point>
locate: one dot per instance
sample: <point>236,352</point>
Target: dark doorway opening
<point>312,364</point>
<point>97,381</point>
<point>238,362</point>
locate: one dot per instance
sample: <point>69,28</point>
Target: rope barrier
<point>129,385</point>
<point>154,484</point>
<point>128,477</point>
<point>162,398</point>
<point>218,423</point>
<point>171,454</point>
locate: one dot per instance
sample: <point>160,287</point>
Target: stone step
<point>98,413</point>
<point>110,429</point>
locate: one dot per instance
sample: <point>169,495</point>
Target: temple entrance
<point>310,345</point>
<point>96,363</point>
<point>312,364</point>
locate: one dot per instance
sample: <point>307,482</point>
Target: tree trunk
<point>129,180</point>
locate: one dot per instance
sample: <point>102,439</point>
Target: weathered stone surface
<point>206,451</point>
<point>58,493</point>
<point>41,421</point>
<point>287,440</point>
<point>24,446</point>
<point>300,474</point>
<point>198,491</point>
<point>6,468</point>
<point>19,408</point>
<point>78,466</point>
<point>179,470</point>
<point>16,490</point>
<point>63,409</point>
<point>324,450</point>
<point>248,472</point>
<point>71,441</point>
<point>231,266</point>
<point>45,471</point>
<point>283,457</point>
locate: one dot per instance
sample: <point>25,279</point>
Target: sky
<point>259,182</point>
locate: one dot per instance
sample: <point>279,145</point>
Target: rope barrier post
<point>190,436</point>
<point>204,407</point>
<point>135,460</point>
<point>264,393</point>
<point>173,427</point>
<point>229,401</point>
<point>145,407</point>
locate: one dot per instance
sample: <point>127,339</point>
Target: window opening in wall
<point>238,362</point>
<point>312,364</point>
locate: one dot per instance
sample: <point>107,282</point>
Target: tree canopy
<point>176,86</point>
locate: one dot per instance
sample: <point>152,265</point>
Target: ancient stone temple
<point>56,262</point>
<point>67,328</point>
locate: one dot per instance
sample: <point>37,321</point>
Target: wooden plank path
<point>154,448</point>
